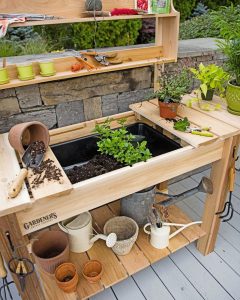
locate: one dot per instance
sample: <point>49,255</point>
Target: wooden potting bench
<point>39,209</point>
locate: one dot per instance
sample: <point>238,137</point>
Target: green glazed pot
<point>25,71</point>
<point>47,68</point>
<point>233,98</point>
<point>4,76</point>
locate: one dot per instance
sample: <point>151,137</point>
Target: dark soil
<point>98,165</point>
<point>47,170</point>
<point>36,148</point>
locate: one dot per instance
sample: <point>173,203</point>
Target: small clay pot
<point>50,250</point>
<point>168,110</point>
<point>22,135</point>
<point>92,271</point>
<point>67,277</point>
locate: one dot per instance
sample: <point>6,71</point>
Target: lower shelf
<point>117,268</point>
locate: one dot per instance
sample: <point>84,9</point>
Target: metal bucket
<point>137,205</point>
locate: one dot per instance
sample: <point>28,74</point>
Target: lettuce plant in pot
<point>212,79</point>
<point>231,49</point>
<point>172,88</point>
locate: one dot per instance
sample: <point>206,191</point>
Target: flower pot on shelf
<point>209,95</point>
<point>233,98</point>
<point>47,68</point>
<point>50,250</point>
<point>126,230</point>
<point>25,71</point>
<point>4,76</point>
<point>92,271</point>
<point>67,277</point>
<point>168,110</point>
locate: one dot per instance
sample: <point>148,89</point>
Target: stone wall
<point>61,103</point>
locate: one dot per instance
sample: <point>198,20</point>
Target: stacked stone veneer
<point>65,102</point>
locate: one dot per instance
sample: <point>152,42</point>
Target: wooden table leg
<point>215,202</point>
<point>33,290</point>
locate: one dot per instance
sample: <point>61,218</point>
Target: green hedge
<point>81,35</point>
<point>215,4</point>
<point>185,7</point>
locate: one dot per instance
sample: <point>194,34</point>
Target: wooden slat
<point>51,289</point>
<point>132,262</point>
<point>151,112</point>
<point>113,270</point>
<point>9,169</point>
<point>50,188</point>
<point>222,115</point>
<point>192,233</point>
<point>218,127</point>
<point>177,242</point>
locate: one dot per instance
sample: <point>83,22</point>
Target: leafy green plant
<point>181,125</point>
<point>9,48</point>
<point>185,7</point>
<point>34,46</point>
<point>119,144</point>
<point>199,10</point>
<point>173,87</point>
<point>212,77</point>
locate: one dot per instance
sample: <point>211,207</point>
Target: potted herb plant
<point>172,88</point>
<point>231,49</point>
<point>212,78</point>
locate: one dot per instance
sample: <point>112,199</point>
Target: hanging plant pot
<point>233,98</point>
<point>209,95</point>
<point>92,5</point>
<point>168,110</point>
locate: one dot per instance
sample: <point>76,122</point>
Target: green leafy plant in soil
<point>185,7</point>
<point>173,87</point>
<point>119,144</point>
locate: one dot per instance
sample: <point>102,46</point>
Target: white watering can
<point>80,233</point>
<point>159,237</point>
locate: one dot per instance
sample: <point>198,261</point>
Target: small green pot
<point>233,98</point>
<point>25,71</point>
<point>209,95</point>
<point>4,76</point>
<point>47,68</point>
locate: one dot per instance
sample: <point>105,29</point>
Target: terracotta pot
<point>168,110</point>
<point>50,250</point>
<point>22,135</point>
<point>67,277</point>
<point>92,271</point>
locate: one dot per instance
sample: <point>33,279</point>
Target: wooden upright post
<point>215,202</point>
<point>33,290</point>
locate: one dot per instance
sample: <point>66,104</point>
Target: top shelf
<point>92,19</point>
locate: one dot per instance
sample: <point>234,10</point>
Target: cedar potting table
<point>41,208</point>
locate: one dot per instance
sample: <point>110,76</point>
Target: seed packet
<point>143,5</point>
<point>161,6</point>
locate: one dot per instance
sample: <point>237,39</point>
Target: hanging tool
<point>5,283</point>
<point>103,58</point>
<point>20,266</point>
<point>205,186</point>
<point>228,209</point>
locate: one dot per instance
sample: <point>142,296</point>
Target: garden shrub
<point>215,4</point>
<point>198,27</point>
<point>81,35</point>
<point>185,7</point>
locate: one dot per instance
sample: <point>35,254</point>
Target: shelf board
<point>92,19</point>
<point>117,268</point>
<point>69,74</point>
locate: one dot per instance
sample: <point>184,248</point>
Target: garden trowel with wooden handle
<point>29,162</point>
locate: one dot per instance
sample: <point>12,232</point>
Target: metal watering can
<point>80,233</point>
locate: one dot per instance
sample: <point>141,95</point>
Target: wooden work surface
<point>117,268</point>
<point>220,130</point>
